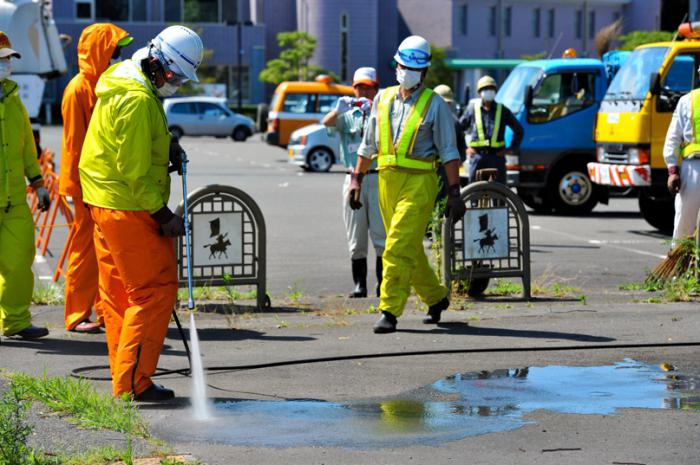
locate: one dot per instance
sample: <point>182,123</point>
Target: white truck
<point>32,31</point>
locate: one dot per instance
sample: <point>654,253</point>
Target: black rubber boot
<point>385,324</point>
<point>434,312</point>
<point>155,393</point>
<point>359,277</point>
<point>379,268</point>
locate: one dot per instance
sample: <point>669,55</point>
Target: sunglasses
<point>416,56</point>
<point>171,77</point>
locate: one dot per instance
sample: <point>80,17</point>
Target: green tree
<point>636,38</point>
<point>293,63</point>
<point>439,72</point>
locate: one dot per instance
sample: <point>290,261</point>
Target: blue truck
<point>556,101</point>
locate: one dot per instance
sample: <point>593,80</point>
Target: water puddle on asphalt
<point>458,406</point>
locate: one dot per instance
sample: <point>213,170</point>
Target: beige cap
<point>445,92</point>
<point>6,47</point>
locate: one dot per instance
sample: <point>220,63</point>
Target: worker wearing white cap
<point>350,118</point>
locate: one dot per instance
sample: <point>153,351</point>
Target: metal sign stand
<point>491,241</point>
<point>228,241</point>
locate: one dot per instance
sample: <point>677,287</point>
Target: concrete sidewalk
<point>338,327</point>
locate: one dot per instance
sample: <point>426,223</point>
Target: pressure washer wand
<point>188,248</point>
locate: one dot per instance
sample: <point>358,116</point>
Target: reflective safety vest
<point>481,140</point>
<point>399,154</point>
<point>692,148</point>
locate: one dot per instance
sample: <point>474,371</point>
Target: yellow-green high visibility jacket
<point>692,148</point>
<point>124,161</point>
<point>17,148</point>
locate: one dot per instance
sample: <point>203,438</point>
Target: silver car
<point>206,116</point>
<point>312,148</point>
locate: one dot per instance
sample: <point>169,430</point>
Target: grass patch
<point>51,294</point>
<point>503,287</point>
<point>295,293</point>
<point>78,400</point>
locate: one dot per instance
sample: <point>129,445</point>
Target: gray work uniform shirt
<point>489,118</point>
<point>436,134</point>
<point>349,126</point>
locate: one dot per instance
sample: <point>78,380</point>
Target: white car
<point>206,116</point>
<point>312,148</point>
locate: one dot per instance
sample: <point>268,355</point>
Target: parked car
<point>312,148</point>
<point>298,104</point>
<point>206,116</point>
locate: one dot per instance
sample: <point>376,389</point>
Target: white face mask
<point>407,78</point>
<point>5,69</point>
<point>488,95</point>
<point>167,90</point>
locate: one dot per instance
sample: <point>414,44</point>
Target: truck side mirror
<point>655,84</point>
<point>529,95</point>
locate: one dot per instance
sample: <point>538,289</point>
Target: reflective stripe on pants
<point>81,272</point>
<point>16,277</point>
<point>366,220</point>
<point>406,201</point>
<point>138,288</point>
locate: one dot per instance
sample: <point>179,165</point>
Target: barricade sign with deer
<point>228,240</point>
<point>491,241</point>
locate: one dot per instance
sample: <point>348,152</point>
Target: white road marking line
<point>604,243</point>
<point>284,184</point>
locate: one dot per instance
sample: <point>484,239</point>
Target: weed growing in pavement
<point>503,287</point>
<point>295,293</point>
<point>280,322</point>
<point>51,294</point>
<point>437,219</point>
<point>14,429</point>
<point>83,405</point>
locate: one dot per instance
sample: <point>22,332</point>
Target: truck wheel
<point>261,117</point>
<point>658,211</point>
<point>571,190</point>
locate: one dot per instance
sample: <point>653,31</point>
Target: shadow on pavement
<point>465,329</point>
<point>56,346</point>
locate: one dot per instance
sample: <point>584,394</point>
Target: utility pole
<point>239,83</point>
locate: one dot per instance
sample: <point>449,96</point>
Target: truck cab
<point>634,118</point>
<point>556,102</point>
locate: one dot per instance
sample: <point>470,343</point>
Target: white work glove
<point>44,199</point>
<point>364,104</point>
<point>344,104</point>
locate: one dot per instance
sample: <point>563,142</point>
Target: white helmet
<point>414,52</point>
<point>181,47</point>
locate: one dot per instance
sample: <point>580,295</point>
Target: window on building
<point>463,19</point>
<point>245,83</point>
<point>578,24</point>
<point>507,20</point>
<point>492,21</point>
<point>591,24</point>
<point>139,10</point>
<point>201,11</point>
<point>550,23</point>
<point>560,95</point>
<point>172,10</point>
<point>299,103</point>
<point>343,47</point>
<point>616,16</point>
<point>85,9</point>
<point>536,22</point>
<point>113,10</point>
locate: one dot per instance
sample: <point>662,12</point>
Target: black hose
<point>256,366</point>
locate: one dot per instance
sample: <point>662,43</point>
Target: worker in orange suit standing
<point>125,179</point>
<point>99,47</point>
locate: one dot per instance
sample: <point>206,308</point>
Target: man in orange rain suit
<point>124,177</point>
<point>99,46</point>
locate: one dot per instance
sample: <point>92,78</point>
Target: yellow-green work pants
<point>406,202</point>
<point>16,277</point>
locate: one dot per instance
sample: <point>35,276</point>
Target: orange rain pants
<point>95,48</point>
<point>138,288</point>
<point>81,273</point>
